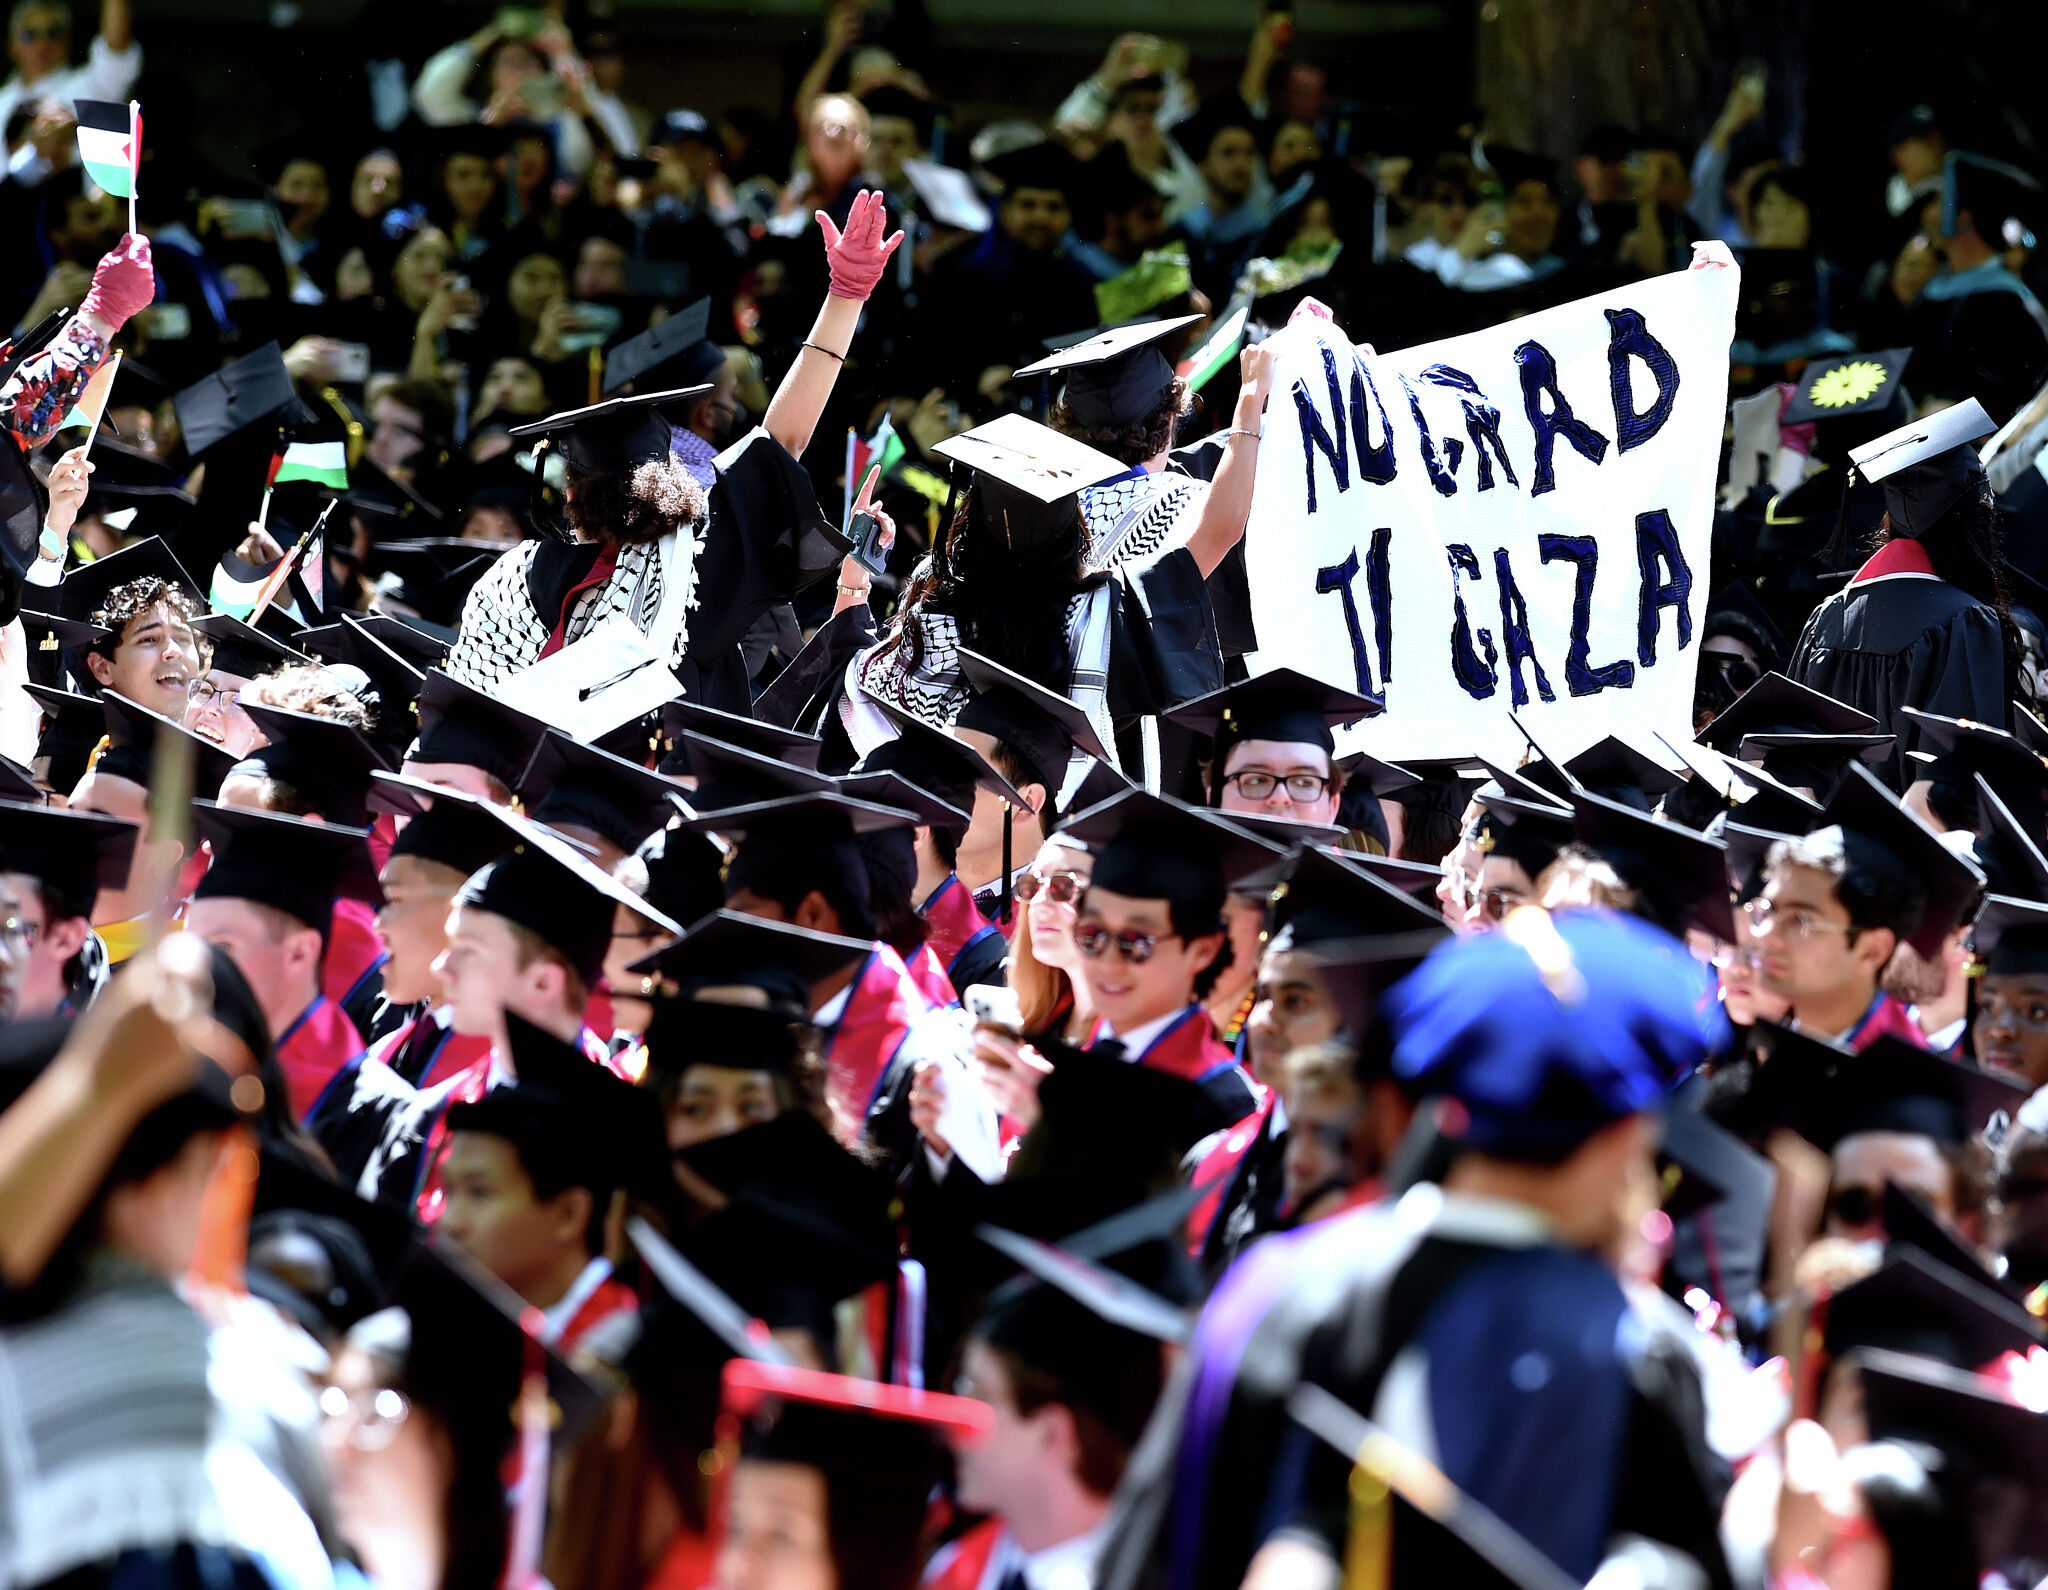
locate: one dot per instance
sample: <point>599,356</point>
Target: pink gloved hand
<point>122,283</point>
<point>855,257</point>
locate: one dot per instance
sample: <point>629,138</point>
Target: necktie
<point>1110,1049</point>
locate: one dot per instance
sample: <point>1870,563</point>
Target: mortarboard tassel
<point>1004,909</point>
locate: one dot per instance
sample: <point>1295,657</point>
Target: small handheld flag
<point>91,406</point>
<point>110,147</point>
<point>323,463</point>
<point>882,451</point>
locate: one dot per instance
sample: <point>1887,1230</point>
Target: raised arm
<point>42,391</point>
<point>856,258</point>
<point>117,24</point>
<point>1219,522</point>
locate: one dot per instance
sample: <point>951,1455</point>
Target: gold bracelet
<point>857,590</point>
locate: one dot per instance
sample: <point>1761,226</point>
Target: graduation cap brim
<point>236,642</point>
<point>1848,747</point>
<point>1328,897</point>
<point>1613,761</point>
<point>1776,703</point>
<point>1825,1092</point>
<point>1112,1297</point>
<point>1849,385</point>
<point>250,389</point>
<point>629,792</point>
<point>1862,805</point>
<point>53,842</point>
<point>1910,1219</point>
<point>1030,458</point>
<point>1150,846</point>
<point>1101,347</point>
<point>1276,828</point>
<point>2003,914</point>
<point>131,724</point>
<point>1705,1164</point>
<point>61,634</point>
<point>984,674</point>
<point>1518,786</point>
<point>299,846</point>
<point>616,435</point>
<point>938,742</point>
<point>86,588</point>
<point>722,946</point>
<point>1691,869</point>
<point>569,858</point>
<point>887,788</point>
<point>749,734</point>
<point>1280,704</point>
<point>723,770</point>
<point>749,1385</point>
<point>1911,1294</point>
<point>817,806</point>
<point>1922,440</point>
<point>702,1297</point>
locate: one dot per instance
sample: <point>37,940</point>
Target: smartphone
<point>595,324</point>
<point>246,218</point>
<point>461,322</point>
<point>992,1005</point>
<point>352,363</point>
<point>865,532</point>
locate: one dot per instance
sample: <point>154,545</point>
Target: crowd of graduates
<point>658,928</point>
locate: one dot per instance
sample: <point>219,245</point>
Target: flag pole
<point>134,157</point>
<point>99,419</point>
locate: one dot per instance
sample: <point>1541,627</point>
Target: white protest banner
<point>1517,520</point>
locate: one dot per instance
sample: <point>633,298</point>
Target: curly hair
<point>127,602</point>
<point>1134,443</point>
<point>309,688</point>
<point>636,509</point>
<point>1011,606</point>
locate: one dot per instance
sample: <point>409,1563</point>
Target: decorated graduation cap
<point>545,885</point>
<point>1680,877</point>
<point>1152,847</point>
<point>86,588</point>
<point>1859,386</point>
<point>451,828</point>
<point>1914,1304</point>
<point>1864,809</point>
<point>1026,477</point>
<point>612,437</point>
<point>1551,1027</point>
<point>240,650</point>
<point>72,854</point>
<point>459,723</point>
<point>676,348</point>
<point>566,1112</point>
<point>1927,467</point>
<point>1116,377</point>
<point>296,866</point>
<point>1282,704</point>
<point>575,785</point>
<point>729,728</point>
<point>255,387</point>
<point>136,733</point>
<point>1526,832</point>
<point>327,761</point>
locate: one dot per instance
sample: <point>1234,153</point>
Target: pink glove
<point>855,257</point>
<point>122,283</point>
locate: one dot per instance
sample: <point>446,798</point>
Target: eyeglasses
<point>1462,883</point>
<point>1737,671</point>
<point>1060,888</point>
<point>205,693</point>
<point>1796,924</point>
<point>1093,940</point>
<point>16,931</point>
<point>1302,788</point>
<point>1728,956</point>
<point>373,1418</point>
<point>1494,904</point>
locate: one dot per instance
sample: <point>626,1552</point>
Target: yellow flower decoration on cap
<point>1847,384</point>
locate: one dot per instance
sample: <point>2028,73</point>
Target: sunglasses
<point>1061,888</point>
<point>1093,940</point>
<point>1737,671</point>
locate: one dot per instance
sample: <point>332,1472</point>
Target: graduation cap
<point>2011,936</point>
<point>1027,477</point>
<point>1538,783</point>
<point>1909,1219</point>
<point>1116,377</point>
<point>238,394</point>
<point>700,1298</point>
<point>1525,832</point>
<point>464,725</point>
<point>453,829</point>
<point>592,1128</point>
<point>466,1344</point>
<point>1996,1446</point>
<point>1281,704</point>
<point>729,953</point>
<point>86,588</point>
<point>327,761</point>
<point>1702,1164</point>
<point>1417,878</point>
<point>1611,763</point>
<point>1864,807</point>
<point>1315,896</point>
<point>731,775</point>
<point>1737,598</point>
<point>1042,166</point>
<point>1432,1533</point>
<point>1042,726</point>
<point>615,436</point>
<point>393,682</point>
<point>1812,761</point>
<point>1764,801</point>
<point>685,874</point>
<point>1969,750</point>
<point>544,884</point>
<point>73,726</point>
<point>299,867</point>
<point>898,103</point>
<point>821,817</point>
<point>74,854</point>
<point>376,492</point>
<point>244,652</point>
<point>576,785</point>
<point>729,728</point>
<point>319,1253</point>
<point>1681,877</point>
<point>136,732</point>
<point>1915,1304</point>
<point>884,787</point>
<point>676,347</point>
<point>1152,847</point>
<point>946,766</point>
<point>1928,466</point>
<point>2002,201</point>
<point>434,575</point>
<point>1850,385</point>
<point>1778,705</point>
<point>46,632</point>
<point>1825,1092</point>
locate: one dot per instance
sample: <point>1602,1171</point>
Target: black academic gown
<point>1605,1444</point>
<point>1906,640</point>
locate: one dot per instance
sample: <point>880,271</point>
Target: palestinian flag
<point>884,449</point>
<point>1218,348</point>
<point>91,406</point>
<point>323,463</point>
<point>110,145</point>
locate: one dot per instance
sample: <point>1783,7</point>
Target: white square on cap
<point>1925,438</point>
<point>1034,458</point>
<point>1106,345</point>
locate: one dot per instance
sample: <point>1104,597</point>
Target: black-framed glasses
<point>1093,940</point>
<point>205,693</point>
<point>1058,888</point>
<point>1739,672</point>
<point>1303,789</point>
